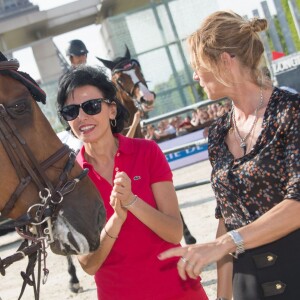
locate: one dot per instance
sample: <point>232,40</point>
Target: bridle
<point>19,154</point>
<point>36,225</point>
<point>127,66</point>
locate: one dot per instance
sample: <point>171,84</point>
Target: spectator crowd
<point>200,118</point>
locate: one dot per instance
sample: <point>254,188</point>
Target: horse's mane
<point>37,93</point>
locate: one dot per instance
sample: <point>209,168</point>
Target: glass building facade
<point>156,36</point>
<point>9,8</point>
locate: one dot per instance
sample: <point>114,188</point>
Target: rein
<point>130,94</point>
<point>35,227</point>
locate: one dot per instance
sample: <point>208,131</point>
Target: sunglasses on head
<point>90,107</point>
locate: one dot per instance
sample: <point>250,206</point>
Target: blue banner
<point>186,152</point>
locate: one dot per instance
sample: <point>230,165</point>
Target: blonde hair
<point>226,31</point>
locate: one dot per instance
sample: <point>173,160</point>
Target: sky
<point>90,34</point>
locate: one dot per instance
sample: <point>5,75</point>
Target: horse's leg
<point>74,282</point>
<point>189,239</point>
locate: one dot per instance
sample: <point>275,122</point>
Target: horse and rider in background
<point>132,88</point>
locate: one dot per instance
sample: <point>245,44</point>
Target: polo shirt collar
<point>126,146</point>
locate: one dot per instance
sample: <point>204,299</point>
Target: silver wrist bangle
<point>238,241</point>
<point>131,203</point>
<point>221,298</point>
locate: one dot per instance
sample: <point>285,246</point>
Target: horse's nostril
<point>148,99</point>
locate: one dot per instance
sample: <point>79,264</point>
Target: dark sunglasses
<point>90,107</point>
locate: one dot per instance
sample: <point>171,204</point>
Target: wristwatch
<point>239,242</point>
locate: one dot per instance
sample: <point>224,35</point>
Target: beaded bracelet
<point>131,203</point>
<point>112,237</point>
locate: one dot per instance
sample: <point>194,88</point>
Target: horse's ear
<point>2,57</point>
<point>127,54</point>
<point>107,63</point>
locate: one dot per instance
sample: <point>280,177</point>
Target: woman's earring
<point>113,123</point>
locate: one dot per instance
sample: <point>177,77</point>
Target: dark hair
<point>86,75</point>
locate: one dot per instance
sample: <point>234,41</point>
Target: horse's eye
<point>119,81</point>
<point>19,108</point>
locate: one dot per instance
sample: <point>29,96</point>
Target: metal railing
<point>180,111</point>
<point>191,184</point>
<point>185,146</point>
<point>182,147</point>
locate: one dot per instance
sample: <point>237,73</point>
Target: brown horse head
<point>37,177</point>
<point>131,84</point>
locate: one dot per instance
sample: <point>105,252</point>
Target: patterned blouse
<point>247,187</point>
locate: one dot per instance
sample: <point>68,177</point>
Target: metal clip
<point>48,231</point>
<point>44,198</point>
<point>46,273</point>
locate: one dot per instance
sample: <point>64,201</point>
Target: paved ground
<point>197,206</point>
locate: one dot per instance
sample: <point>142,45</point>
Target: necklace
<point>242,140</point>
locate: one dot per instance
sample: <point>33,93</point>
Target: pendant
<point>244,147</point>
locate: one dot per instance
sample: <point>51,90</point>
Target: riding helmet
<point>76,48</point>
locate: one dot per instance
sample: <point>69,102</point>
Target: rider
<point>77,52</point>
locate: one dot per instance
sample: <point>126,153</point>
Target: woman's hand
<point>137,117</point>
<point>135,122</point>
<point>122,188</point>
<point>195,257</point>
<point>120,212</point>
<point>121,194</point>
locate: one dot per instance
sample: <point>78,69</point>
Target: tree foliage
<point>291,24</point>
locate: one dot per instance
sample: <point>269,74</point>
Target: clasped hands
<point>121,194</point>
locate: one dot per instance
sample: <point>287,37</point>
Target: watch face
<point>239,242</point>
<point>237,237</point>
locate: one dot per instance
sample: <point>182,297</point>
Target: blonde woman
<point>255,157</point>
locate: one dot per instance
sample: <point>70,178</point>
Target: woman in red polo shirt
<point>135,182</point>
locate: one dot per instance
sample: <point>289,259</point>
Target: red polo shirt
<point>132,269</point>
